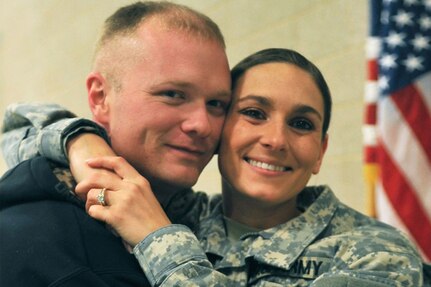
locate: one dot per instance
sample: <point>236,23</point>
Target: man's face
<point>167,117</point>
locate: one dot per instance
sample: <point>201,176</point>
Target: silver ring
<point>101,197</point>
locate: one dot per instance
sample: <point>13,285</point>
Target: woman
<point>267,228</point>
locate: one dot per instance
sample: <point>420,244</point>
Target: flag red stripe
<point>406,204</point>
<point>410,103</point>
<point>370,154</point>
<point>370,114</point>
<point>373,70</point>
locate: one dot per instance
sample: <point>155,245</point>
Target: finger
<point>121,168</point>
<point>92,198</point>
<point>99,179</point>
<point>98,212</point>
<point>117,164</point>
<point>95,193</point>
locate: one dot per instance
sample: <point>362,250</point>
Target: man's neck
<point>164,191</point>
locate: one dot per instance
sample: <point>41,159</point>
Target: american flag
<point>397,128</point>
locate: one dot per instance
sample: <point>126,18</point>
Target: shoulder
<point>56,239</point>
<point>362,243</point>
<point>33,214</point>
<point>33,180</point>
<point>363,249</point>
<point>367,233</point>
<point>350,229</point>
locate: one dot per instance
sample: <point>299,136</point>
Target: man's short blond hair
<point>110,59</point>
<point>126,20</point>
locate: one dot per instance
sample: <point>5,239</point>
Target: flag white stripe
<point>371,92</point>
<point>405,151</point>
<point>373,47</point>
<point>369,135</point>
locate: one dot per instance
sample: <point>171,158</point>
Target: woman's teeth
<point>265,165</point>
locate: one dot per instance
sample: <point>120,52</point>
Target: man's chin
<point>178,180</point>
<point>164,190</point>
<point>183,182</point>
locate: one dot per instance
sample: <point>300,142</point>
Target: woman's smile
<point>266,166</point>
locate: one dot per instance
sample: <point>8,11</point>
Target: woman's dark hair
<point>292,57</point>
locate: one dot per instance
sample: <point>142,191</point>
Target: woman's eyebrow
<point>305,109</point>
<point>264,101</point>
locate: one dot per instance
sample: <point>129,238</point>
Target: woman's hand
<point>79,149</point>
<point>131,207</point>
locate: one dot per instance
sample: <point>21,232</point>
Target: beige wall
<point>46,48</point>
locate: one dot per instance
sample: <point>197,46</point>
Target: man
<point>160,87</point>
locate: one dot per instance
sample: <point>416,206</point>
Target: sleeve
<point>172,256</point>
<point>41,129</point>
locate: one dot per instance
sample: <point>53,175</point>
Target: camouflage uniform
<point>41,129</point>
<point>329,244</point>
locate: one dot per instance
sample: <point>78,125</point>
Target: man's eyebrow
<point>181,84</point>
<point>223,94</point>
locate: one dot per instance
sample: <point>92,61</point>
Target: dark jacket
<point>46,241</point>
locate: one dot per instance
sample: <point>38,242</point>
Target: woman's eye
<point>253,113</point>
<point>302,124</point>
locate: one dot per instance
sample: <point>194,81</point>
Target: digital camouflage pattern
<point>41,129</point>
<point>329,244</point>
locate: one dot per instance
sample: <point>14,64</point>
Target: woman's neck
<point>256,213</point>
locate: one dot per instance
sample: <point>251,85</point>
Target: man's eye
<point>217,107</point>
<point>217,104</point>
<point>302,124</point>
<point>173,94</point>
<point>254,114</point>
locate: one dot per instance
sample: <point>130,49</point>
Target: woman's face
<point>272,139</point>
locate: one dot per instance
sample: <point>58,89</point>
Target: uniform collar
<point>279,246</point>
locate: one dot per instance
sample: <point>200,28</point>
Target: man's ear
<point>97,90</point>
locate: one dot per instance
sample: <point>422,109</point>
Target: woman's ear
<point>97,90</point>
<point>322,153</point>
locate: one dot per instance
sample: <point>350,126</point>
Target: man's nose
<point>197,121</point>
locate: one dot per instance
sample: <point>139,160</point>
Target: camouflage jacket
<point>329,244</point>
<point>33,129</point>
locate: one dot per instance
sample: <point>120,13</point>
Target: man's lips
<point>189,149</point>
<point>267,166</point>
